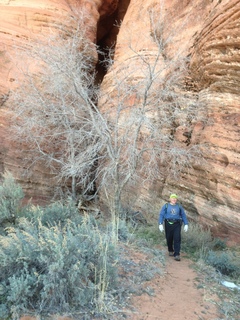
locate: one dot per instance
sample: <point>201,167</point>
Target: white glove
<point>161,228</point>
<point>185,228</point>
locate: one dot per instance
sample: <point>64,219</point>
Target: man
<point>172,214</point>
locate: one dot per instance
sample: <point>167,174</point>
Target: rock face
<point>215,67</point>
<point>21,21</point>
<point>208,33</point>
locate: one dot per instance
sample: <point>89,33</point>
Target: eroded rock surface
<point>21,21</point>
<point>215,68</point>
<point>208,33</point>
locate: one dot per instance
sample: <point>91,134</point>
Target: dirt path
<point>176,296</point>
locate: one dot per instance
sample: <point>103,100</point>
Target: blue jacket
<point>172,212</point>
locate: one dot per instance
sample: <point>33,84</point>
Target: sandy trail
<point>176,296</point>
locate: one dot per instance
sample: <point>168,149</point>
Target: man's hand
<point>185,228</point>
<point>161,228</point>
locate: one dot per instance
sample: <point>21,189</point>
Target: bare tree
<point>55,106</point>
<point>148,103</point>
<point>105,150</point>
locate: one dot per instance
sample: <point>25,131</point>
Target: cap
<point>173,195</point>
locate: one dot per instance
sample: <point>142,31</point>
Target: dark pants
<point>173,237</point>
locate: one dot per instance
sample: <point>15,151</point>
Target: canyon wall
<point>208,33</point>
<point>21,22</point>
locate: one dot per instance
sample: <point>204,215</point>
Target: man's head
<point>173,198</point>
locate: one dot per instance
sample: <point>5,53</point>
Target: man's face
<point>173,200</point>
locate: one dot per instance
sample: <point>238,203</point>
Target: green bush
<point>200,244</point>
<point>54,269</point>
<point>196,240</point>
<point>150,234</point>
<point>11,195</point>
<point>56,213</point>
<point>123,230</point>
<point>223,262</point>
<point>52,259</point>
<point>219,244</point>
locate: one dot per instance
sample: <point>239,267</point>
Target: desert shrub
<point>224,262</point>
<point>149,234</point>
<point>196,240</point>
<point>199,243</point>
<point>123,230</point>
<point>54,269</point>
<point>52,259</point>
<point>211,279</point>
<point>56,213</point>
<point>219,244</point>
<point>11,209</point>
<point>11,195</point>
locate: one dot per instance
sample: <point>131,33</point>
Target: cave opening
<point>107,31</point>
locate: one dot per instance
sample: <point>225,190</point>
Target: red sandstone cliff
<point>208,33</point>
<point>21,21</point>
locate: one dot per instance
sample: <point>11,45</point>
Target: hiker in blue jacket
<point>173,214</point>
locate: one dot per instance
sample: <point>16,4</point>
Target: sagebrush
<point>54,261</point>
